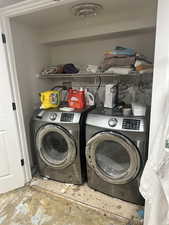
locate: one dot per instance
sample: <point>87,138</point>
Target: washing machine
<point>116,152</point>
<point>59,144</point>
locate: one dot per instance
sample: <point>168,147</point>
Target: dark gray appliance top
<point>115,120</point>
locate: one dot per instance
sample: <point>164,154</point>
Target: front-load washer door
<point>56,146</point>
<point>114,157</point>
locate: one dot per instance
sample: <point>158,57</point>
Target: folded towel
<point>119,70</point>
<point>142,65</point>
<point>123,51</point>
<point>150,70</point>
<point>128,61</point>
<point>108,55</point>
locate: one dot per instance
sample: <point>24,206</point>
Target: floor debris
<point>41,208</point>
<point>46,202</point>
<point>82,194</point>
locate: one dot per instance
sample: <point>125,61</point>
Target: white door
<point>11,170</point>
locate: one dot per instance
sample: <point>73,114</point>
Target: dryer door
<point>113,157</point>
<point>56,146</point>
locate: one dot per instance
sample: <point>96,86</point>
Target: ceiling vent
<point>86,9</point>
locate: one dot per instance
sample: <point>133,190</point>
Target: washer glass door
<point>56,146</point>
<point>114,157</point>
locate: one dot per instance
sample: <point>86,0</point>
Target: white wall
<point>92,51</point>
<point>30,59</point>
<point>117,18</point>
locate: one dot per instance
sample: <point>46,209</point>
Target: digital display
<point>67,117</point>
<point>130,124</point>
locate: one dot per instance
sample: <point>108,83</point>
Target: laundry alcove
<point>46,32</point>
<point>56,36</point>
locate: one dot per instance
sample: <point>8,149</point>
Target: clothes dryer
<point>116,152</point>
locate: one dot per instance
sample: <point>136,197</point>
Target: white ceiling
<point>114,10</point>
<point>4,3</point>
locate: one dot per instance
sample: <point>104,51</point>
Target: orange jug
<point>76,98</point>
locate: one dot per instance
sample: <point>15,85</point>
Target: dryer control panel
<point>118,123</point>
<point>131,124</point>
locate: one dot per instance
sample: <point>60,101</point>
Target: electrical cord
<point>99,85</point>
<point>63,87</point>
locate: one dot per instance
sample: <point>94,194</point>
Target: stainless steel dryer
<point>116,153</point>
<point>59,144</point>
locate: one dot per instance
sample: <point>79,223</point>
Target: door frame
<point>30,6</point>
<point>5,27</point>
<point>6,14</point>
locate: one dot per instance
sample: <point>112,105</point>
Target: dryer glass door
<point>56,146</point>
<point>114,157</point>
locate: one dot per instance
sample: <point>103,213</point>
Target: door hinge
<point>14,106</point>
<point>3,38</point>
<point>22,162</point>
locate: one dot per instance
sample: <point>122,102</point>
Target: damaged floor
<point>46,202</point>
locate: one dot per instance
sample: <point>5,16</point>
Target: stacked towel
<point>119,60</point>
<point>123,60</point>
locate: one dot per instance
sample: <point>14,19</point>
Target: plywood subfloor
<point>107,206</point>
<point>28,206</point>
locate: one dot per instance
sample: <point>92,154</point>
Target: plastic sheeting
<point>155,179</point>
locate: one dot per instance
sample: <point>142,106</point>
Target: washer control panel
<point>67,117</point>
<point>131,124</point>
<point>56,116</point>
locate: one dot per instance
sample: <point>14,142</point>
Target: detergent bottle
<point>76,98</point>
<point>90,99</point>
<point>50,99</point>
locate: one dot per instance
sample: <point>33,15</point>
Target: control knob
<point>113,122</point>
<point>52,116</point>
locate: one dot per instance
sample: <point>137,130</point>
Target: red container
<point>76,99</point>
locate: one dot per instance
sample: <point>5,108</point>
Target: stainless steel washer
<point>116,153</point>
<point>59,144</point>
